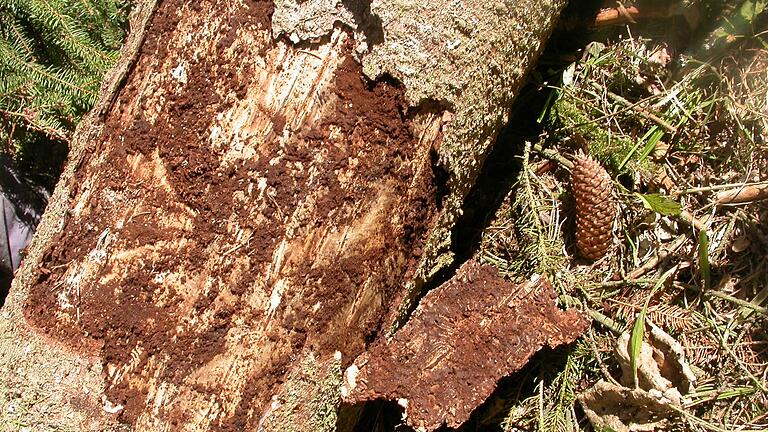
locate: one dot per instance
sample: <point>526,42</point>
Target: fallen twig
<point>604,320</point>
<point>743,194</point>
<point>606,374</point>
<point>623,15</point>
<point>720,187</point>
<point>624,282</point>
<point>660,256</point>
<point>552,154</point>
<point>691,220</point>
<point>727,297</point>
<point>738,301</point>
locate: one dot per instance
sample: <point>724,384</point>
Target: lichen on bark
<point>311,390</point>
<point>308,20</point>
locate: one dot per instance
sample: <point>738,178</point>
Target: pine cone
<point>595,207</point>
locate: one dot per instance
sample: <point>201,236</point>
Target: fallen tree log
<point>261,193</point>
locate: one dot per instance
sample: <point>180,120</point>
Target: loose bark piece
<point>465,335</point>
<point>623,15</point>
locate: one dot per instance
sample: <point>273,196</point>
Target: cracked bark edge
<point>441,64</point>
<point>433,49</point>
<point>466,335</point>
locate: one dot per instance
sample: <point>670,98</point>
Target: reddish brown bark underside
<point>465,336</point>
<point>218,233</point>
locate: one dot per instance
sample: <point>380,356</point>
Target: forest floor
<point>675,107</point>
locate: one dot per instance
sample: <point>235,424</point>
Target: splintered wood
<point>466,335</point>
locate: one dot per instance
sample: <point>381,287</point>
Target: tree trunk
<point>261,193</point>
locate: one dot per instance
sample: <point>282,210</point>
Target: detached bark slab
<point>465,336</point>
<point>259,195</point>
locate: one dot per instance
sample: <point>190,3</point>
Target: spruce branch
<point>53,54</point>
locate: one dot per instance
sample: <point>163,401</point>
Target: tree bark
<point>260,194</point>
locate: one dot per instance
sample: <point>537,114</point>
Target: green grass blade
<point>636,343</point>
<point>547,105</point>
<point>638,329</point>
<point>704,258</point>
<point>650,144</point>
